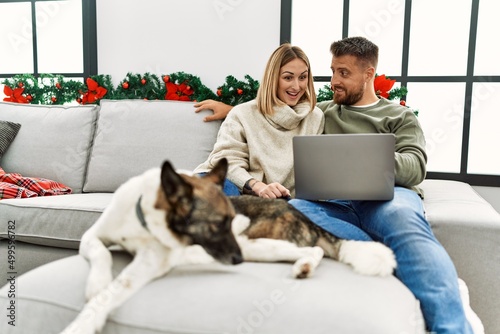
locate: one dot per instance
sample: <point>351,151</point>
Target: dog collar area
<point>140,214</point>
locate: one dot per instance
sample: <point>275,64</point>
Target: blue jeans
<point>423,264</point>
<point>230,189</point>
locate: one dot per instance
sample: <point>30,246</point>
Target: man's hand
<point>271,190</point>
<point>219,109</point>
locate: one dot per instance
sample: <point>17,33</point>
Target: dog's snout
<point>237,259</point>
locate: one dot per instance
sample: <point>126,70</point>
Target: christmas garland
<point>56,89</point>
<point>234,92</point>
<point>383,87</point>
<point>46,89</point>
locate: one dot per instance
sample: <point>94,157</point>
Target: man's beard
<point>349,97</point>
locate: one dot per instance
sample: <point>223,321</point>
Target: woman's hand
<point>272,190</point>
<point>219,109</point>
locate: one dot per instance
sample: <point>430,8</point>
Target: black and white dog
<point>165,218</point>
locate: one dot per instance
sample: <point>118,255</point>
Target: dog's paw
<point>81,325</point>
<point>84,326</point>
<point>194,254</point>
<point>305,266</point>
<point>92,318</point>
<point>368,258</point>
<point>99,323</point>
<point>96,282</point>
<point>239,224</point>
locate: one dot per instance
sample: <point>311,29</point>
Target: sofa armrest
<point>469,229</point>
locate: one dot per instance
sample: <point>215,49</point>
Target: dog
<point>166,218</point>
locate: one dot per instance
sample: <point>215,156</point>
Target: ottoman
<point>214,298</point>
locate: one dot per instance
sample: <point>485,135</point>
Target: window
<point>446,58</point>
<point>57,37</point>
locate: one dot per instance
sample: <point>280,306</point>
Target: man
<point>423,264</point>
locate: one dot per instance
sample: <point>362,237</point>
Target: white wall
<point>207,38</point>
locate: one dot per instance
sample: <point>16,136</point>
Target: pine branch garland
<point>200,92</point>
<point>56,89</point>
<point>325,93</point>
<point>137,86</point>
<point>234,91</point>
<point>28,84</point>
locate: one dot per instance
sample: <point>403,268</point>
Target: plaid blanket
<point>14,185</point>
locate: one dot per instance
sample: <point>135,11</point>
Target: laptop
<point>344,166</point>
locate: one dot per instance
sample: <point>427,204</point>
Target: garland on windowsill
<point>58,90</point>
<point>383,87</point>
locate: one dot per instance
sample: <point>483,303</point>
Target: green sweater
<point>384,117</point>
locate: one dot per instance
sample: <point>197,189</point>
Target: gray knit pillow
<point>8,131</point>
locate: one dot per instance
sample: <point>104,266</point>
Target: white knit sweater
<point>260,147</point>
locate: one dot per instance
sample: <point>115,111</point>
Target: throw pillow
<point>8,131</point>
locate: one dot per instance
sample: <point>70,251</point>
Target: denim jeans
<point>423,264</point>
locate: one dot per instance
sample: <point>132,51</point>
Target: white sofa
<point>94,149</point>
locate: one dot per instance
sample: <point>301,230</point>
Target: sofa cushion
<point>135,135</point>
<point>54,141</point>
<point>213,298</point>
<point>456,202</point>
<point>57,221</point>
<point>8,131</point>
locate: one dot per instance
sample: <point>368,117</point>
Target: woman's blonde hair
<point>267,97</point>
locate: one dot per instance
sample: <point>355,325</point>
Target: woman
<point>256,137</point>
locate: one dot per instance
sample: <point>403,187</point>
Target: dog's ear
<point>218,173</point>
<point>174,186</point>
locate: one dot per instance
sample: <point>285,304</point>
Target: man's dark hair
<point>365,51</point>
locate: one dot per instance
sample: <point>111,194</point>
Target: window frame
<point>89,39</point>
<point>469,79</point>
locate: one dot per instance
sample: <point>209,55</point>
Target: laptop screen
<point>344,166</point>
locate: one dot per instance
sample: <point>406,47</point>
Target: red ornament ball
<point>125,85</point>
<point>143,81</point>
<point>402,102</point>
<point>58,85</point>
<point>239,91</point>
<point>166,78</point>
